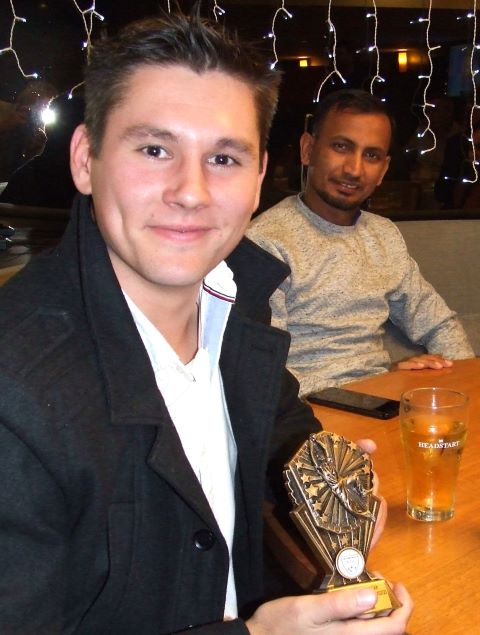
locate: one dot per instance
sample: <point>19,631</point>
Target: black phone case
<point>367,412</point>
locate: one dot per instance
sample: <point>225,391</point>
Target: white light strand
<point>428,77</point>
<point>11,49</point>
<point>217,10</point>
<point>333,55</point>
<point>87,17</point>
<point>475,105</point>
<point>286,14</point>
<point>377,77</point>
<point>168,6</point>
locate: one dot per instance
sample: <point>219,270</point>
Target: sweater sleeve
<point>423,315</point>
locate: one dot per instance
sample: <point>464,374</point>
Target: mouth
<point>180,233</point>
<point>346,187</point>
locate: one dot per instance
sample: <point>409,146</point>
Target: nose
<point>188,185</point>
<point>353,164</point>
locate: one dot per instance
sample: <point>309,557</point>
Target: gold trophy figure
<point>330,483</point>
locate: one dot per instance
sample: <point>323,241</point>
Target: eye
<point>156,152</point>
<point>372,156</point>
<point>222,160</point>
<point>339,146</point>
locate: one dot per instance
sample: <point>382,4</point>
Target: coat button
<point>203,539</point>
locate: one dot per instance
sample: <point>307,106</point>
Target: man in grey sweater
<point>350,269</point>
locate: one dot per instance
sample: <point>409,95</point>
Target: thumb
<point>344,604</point>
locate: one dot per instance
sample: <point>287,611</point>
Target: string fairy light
<point>374,48</point>
<point>217,10</point>
<point>87,16</point>
<point>11,48</point>
<point>333,54</point>
<point>428,79</point>
<point>286,15</point>
<point>475,105</point>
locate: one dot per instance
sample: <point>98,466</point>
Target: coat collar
<point>257,274</point>
<point>124,363</point>
<point>129,382</point>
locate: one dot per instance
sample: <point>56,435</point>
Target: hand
<point>368,445</point>
<point>418,362</point>
<point>330,614</point>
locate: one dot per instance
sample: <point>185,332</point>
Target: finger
<point>441,360</point>
<point>367,445</point>
<point>398,619</point>
<point>435,364</point>
<point>380,522</point>
<point>402,595</point>
<point>410,365</point>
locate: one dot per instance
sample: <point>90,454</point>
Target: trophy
<point>329,481</point>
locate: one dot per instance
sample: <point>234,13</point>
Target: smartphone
<point>358,402</point>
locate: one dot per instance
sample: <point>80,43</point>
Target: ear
<point>306,145</point>
<point>261,176</point>
<point>263,166</point>
<point>80,160</point>
<point>387,164</point>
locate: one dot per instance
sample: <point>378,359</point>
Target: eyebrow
<point>244,147</point>
<point>350,142</point>
<point>142,131</point>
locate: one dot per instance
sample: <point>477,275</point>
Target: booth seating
<point>448,254</point>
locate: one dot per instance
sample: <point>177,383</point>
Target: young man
<point>143,392</point>
<point>350,270</point>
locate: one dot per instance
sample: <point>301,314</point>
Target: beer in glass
<point>434,428</point>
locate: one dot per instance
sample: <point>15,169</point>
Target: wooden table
<point>438,562</point>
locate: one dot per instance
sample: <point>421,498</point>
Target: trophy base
<point>386,600</point>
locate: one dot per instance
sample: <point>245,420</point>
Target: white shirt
<point>194,396</point>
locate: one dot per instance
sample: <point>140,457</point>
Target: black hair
<point>359,101</point>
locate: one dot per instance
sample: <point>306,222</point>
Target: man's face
<point>347,159</point>
<point>177,177</point>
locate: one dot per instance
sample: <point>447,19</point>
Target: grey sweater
<point>345,283</point>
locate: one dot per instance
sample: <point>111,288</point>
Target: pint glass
<point>434,428</point>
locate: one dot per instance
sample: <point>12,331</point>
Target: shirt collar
<point>216,297</point>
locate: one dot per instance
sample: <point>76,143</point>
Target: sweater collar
<point>323,224</point>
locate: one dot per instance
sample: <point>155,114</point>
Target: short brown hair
<point>174,39</point>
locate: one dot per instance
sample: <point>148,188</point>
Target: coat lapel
<point>132,394</point>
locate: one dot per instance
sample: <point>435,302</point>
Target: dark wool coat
<point>103,526</point>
